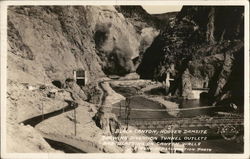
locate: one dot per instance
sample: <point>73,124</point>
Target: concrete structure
<point>80,77</point>
<point>197,91</point>
<point>167,82</point>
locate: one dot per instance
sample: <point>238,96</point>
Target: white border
<point>3,56</point>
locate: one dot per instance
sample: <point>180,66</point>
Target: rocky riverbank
<point>109,123</point>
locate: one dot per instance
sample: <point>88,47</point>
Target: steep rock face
<point>206,40</point>
<point>146,25</point>
<point>216,23</point>
<point>230,85</point>
<point>45,45</point>
<point>51,44</point>
<point>48,43</point>
<point>167,17</point>
<point>116,41</point>
<point>139,17</point>
<point>186,85</point>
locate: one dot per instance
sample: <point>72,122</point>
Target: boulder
<point>186,85</point>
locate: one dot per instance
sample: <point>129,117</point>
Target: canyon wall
<point>206,40</point>
<point>48,42</point>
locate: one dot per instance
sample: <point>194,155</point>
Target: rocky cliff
<point>45,45</point>
<point>201,46</point>
<point>206,40</point>
<point>48,43</point>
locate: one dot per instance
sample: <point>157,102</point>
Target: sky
<point>161,9</point>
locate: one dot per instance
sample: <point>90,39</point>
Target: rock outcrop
<point>146,25</point>
<point>208,41</point>
<point>186,85</point>
<point>46,44</point>
<point>49,42</point>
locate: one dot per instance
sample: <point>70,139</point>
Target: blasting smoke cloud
<point>113,46</point>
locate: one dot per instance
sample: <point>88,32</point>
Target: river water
<point>139,103</point>
<point>214,144</point>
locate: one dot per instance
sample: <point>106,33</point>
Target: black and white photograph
<point>108,78</point>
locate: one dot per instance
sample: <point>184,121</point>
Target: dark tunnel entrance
<point>79,76</point>
<point>57,83</point>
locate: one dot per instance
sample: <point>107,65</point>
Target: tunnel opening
<point>80,77</point>
<point>57,83</point>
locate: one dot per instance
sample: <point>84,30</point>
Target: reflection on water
<point>195,103</point>
<point>138,104</point>
<point>191,103</point>
<point>215,142</point>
